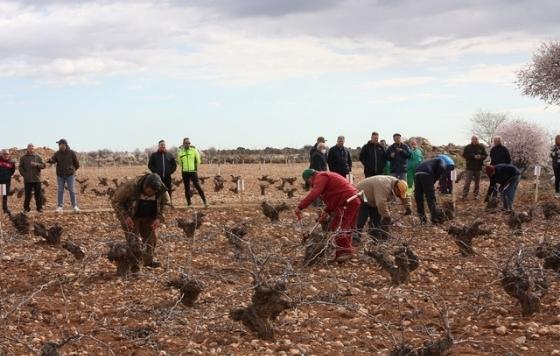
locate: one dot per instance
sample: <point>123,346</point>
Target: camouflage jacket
<point>127,196</point>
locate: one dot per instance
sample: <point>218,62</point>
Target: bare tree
<point>485,124</point>
<point>541,78</point>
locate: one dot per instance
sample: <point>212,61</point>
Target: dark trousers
<point>5,197</point>
<point>368,212</point>
<point>557,178</point>
<point>491,190</point>
<point>445,184</point>
<point>424,186</point>
<point>469,177</point>
<point>33,188</point>
<point>187,178</point>
<point>167,182</point>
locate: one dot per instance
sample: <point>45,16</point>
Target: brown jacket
<point>66,162</point>
<point>126,198</point>
<point>30,173</point>
<point>379,192</point>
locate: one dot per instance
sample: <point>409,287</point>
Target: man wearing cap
<point>7,170</point>
<point>140,206</point>
<point>372,156</point>
<point>507,176</point>
<point>189,160</point>
<point>339,158</point>
<point>163,164</point>
<point>379,191</point>
<point>30,167</point>
<point>67,164</point>
<point>342,206</point>
<point>427,174</point>
<point>315,147</point>
<point>398,154</point>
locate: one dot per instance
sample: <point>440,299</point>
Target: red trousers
<point>344,220</point>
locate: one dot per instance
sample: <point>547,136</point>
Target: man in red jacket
<point>336,193</point>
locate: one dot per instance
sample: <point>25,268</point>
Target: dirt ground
<point>46,295</point>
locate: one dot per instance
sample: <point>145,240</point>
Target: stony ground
<point>46,295</point>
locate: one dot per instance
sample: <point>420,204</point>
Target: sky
<point>257,73</point>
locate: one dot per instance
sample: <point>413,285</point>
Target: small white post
<point>350,178</point>
<point>537,181</point>
<point>453,193</point>
<point>3,193</point>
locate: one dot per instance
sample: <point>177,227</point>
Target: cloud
<point>486,74</point>
<point>247,42</point>
<point>400,82</point>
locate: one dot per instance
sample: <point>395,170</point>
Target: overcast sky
<point>256,73</point>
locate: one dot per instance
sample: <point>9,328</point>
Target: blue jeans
<point>69,182</point>
<point>508,192</point>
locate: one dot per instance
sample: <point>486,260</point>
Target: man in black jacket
<point>474,154</point>
<point>163,164</point>
<point>339,158</point>
<point>67,164</point>
<point>319,158</point>
<point>499,154</point>
<point>372,156</point>
<point>398,153</point>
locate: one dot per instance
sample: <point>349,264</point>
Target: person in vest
<point>163,164</point>
<point>30,167</point>
<point>336,193</point>
<point>379,191</point>
<point>67,164</point>
<point>140,205</point>
<point>189,161</point>
<point>7,170</point>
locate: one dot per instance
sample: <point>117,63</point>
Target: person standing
<point>427,174</point>
<point>474,154</point>
<point>67,164</point>
<point>7,170</point>
<point>163,164</point>
<point>30,167</point>
<point>315,147</point>
<point>372,156</point>
<point>140,206</point>
<point>416,157</point>
<point>499,154</point>
<point>339,158</point>
<point>319,158</point>
<point>336,192</point>
<point>189,161</point>
<point>555,155</point>
<point>507,176</point>
<point>398,153</point>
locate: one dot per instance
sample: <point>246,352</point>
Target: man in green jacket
<point>30,166</point>
<point>140,206</point>
<point>417,156</point>
<point>188,158</point>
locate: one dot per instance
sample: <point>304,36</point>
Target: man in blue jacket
<point>398,154</point>
<point>426,176</point>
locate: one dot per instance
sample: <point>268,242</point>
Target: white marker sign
<point>538,171</point>
<point>3,191</point>
<point>453,175</point>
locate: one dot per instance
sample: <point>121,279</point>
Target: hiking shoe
<point>59,210</point>
<point>76,209</point>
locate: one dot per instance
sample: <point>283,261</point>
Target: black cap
<point>397,134</point>
<point>62,141</point>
